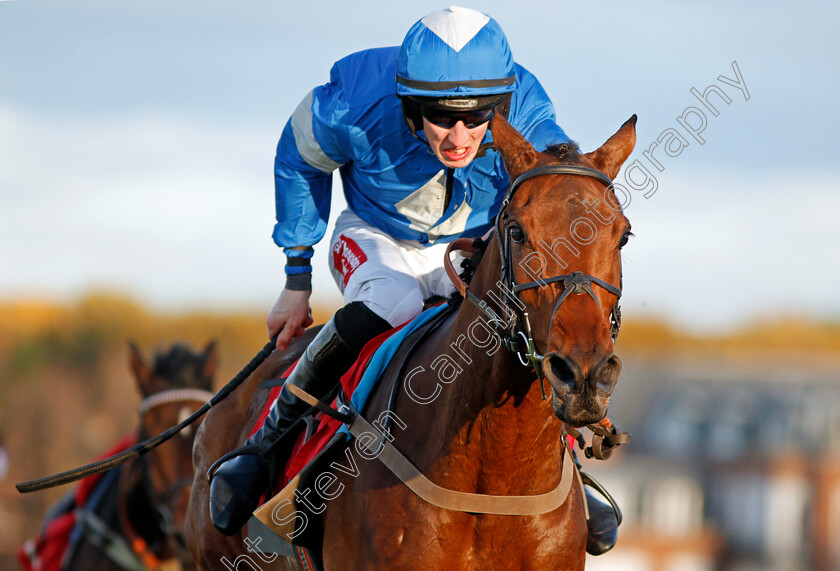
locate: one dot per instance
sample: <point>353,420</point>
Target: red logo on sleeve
<point>347,256</point>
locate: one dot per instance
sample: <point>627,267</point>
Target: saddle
<point>290,519</point>
<point>289,523</point>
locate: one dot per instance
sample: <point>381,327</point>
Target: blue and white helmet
<point>455,53</point>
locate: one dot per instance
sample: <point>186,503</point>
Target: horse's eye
<point>516,234</point>
<point>624,239</point>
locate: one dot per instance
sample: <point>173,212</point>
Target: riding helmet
<point>457,59</point>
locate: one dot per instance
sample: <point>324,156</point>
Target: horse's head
<point>177,383</point>
<point>560,238</point>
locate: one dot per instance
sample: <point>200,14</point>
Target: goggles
<point>448,119</point>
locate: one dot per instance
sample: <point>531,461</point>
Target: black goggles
<point>448,119</point>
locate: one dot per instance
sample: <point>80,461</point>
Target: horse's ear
<point>210,361</point>
<point>516,151</point>
<point>609,157</point>
<point>138,365</point>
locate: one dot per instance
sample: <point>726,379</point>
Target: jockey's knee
<point>357,324</point>
<point>393,296</point>
<point>401,310</point>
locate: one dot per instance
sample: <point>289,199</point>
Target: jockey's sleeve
<point>308,151</point>
<point>532,112</point>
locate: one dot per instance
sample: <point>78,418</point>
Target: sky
<point>137,143</point>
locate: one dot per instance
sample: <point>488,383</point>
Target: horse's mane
<point>178,359</point>
<point>567,153</point>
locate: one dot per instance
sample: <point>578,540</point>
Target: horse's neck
<point>137,515</point>
<point>497,421</point>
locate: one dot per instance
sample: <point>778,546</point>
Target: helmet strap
<point>411,114</point>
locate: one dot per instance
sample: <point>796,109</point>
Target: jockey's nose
<point>459,135</point>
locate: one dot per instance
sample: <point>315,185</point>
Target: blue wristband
<point>305,254</point>
<point>299,269</point>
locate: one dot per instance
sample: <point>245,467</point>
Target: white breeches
<point>391,277</point>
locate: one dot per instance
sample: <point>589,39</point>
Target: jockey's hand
<point>290,315</point>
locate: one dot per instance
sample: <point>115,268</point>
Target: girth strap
<point>448,499</point>
<point>441,497</point>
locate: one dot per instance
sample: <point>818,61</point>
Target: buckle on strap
<point>342,417</point>
<point>605,438</point>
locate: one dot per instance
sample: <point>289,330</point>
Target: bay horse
<point>472,418</point>
<point>137,521</point>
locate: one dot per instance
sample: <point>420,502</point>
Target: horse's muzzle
<point>581,393</point>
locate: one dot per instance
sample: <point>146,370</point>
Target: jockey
<point>407,129</point>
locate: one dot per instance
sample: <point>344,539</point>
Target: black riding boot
<point>602,526</point>
<point>240,481</point>
<point>604,518</point>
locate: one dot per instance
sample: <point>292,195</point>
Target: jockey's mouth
<point>457,153</point>
<point>454,146</point>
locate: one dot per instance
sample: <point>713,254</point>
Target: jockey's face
<point>454,146</point>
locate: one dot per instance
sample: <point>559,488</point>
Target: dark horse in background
<point>487,429</point>
<point>134,517</point>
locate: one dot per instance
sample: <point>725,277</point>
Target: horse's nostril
<point>563,370</point>
<point>614,366</point>
<point>608,372</point>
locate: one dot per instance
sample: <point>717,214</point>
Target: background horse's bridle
<point>143,447</point>
<point>161,501</point>
<point>515,330</point>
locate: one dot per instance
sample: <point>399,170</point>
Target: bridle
<point>141,448</point>
<point>515,331</point>
<point>173,395</point>
<point>161,500</point>
<point>125,546</point>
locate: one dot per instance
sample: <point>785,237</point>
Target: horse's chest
<point>429,538</point>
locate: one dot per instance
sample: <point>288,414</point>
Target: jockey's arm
<point>307,154</point>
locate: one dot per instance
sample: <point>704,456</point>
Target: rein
<point>515,331</point>
<point>139,449</point>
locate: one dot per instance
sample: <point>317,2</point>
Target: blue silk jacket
<point>391,178</point>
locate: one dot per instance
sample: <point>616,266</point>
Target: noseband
<point>173,395</point>
<point>515,331</point>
